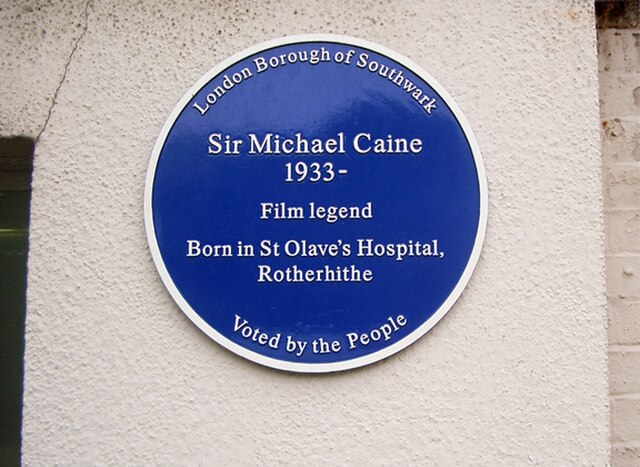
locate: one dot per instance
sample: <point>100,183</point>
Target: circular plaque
<point>316,203</point>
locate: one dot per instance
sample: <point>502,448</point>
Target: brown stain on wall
<point>617,14</point>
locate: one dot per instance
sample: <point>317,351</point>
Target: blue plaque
<point>316,203</point>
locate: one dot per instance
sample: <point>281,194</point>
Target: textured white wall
<point>115,373</point>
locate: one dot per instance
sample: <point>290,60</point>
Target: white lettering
<point>382,332</point>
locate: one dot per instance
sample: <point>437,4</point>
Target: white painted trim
<point>315,367</point>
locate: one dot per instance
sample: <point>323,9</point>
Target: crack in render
<point>66,69</point>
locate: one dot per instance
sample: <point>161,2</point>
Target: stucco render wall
<point>115,374</point>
